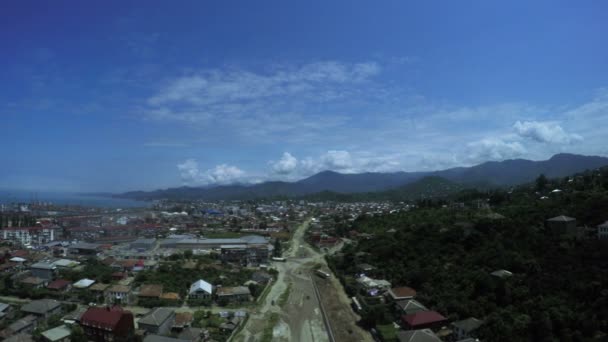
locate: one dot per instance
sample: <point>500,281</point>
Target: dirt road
<point>299,313</point>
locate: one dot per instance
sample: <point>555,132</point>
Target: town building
<point>57,334</point>
<point>422,335</point>
<point>30,235</point>
<point>118,294</point>
<point>560,225</point>
<point>233,294</point>
<point>423,320</point>
<point>158,321</point>
<point>200,289</point>
<point>42,308</point>
<point>108,324</point>
<point>44,270</point>
<point>466,328</point>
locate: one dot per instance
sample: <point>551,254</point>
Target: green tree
<point>78,334</point>
<point>541,182</point>
<point>278,251</point>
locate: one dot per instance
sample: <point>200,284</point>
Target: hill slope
<point>504,173</point>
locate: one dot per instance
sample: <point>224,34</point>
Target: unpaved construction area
<point>292,311</point>
<point>338,310</point>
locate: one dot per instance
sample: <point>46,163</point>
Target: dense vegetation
<point>558,288</point>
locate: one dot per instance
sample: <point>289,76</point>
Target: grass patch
<point>271,322</point>
<point>388,332</point>
<point>284,296</point>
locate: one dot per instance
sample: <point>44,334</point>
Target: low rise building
<point>42,308</point>
<point>233,294</point>
<point>158,321</point>
<point>108,324</point>
<point>44,270</point>
<point>200,289</point>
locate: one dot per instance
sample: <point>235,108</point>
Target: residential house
<point>562,225</point>
<point>21,337</point>
<point>44,270</point>
<point>172,297</point>
<point>409,306</point>
<point>200,289</point>
<point>59,285</point>
<point>182,320</point>
<point>26,324</point>
<point>84,248</point>
<point>400,293</point>
<point>98,290</point>
<point>150,291</point>
<point>466,328</point>
<point>233,294</point>
<point>83,284</point>
<point>42,308</point>
<point>423,335</point>
<point>118,294</point>
<point>159,338</point>
<point>194,335</point>
<point>33,282</point>
<point>230,325</point>
<point>158,321</point>
<point>373,287</point>
<point>57,334</point>
<point>5,311</point>
<point>108,324</point>
<point>423,320</point>
<point>503,274</point>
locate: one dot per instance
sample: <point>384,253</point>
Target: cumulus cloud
<point>494,149</point>
<point>545,132</point>
<point>286,165</point>
<point>336,160</point>
<point>191,174</point>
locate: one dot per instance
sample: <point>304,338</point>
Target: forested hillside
<point>558,288</point>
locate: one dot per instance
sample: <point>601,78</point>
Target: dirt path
<point>300,318</point>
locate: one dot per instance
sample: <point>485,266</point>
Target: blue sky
<point>120,95</point>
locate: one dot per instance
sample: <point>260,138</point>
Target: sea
<point>68,198</point>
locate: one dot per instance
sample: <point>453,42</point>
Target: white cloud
<point>221,174</point>
<point>494,149</point>
<point>337,160</point>
<point>280,99</point>
<point>286,165</point>
<point>545,132</point>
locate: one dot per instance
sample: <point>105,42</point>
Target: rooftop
<point>422,318</point>
<point>40,306</point>
<point>57,333</point>
<point>151,290</point>
<point>201,285</point>
<point>156,317</point>
<point>106,318</point>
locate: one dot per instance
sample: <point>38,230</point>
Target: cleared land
<point>292,310</point>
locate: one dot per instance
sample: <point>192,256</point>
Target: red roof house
<point>108,324</point>
<point>59,285</point>
<point>423,320</point>
<point>401,293</point>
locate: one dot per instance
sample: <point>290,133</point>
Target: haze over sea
<point>67,198</point>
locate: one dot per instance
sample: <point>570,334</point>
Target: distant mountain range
<point>488,174</point>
